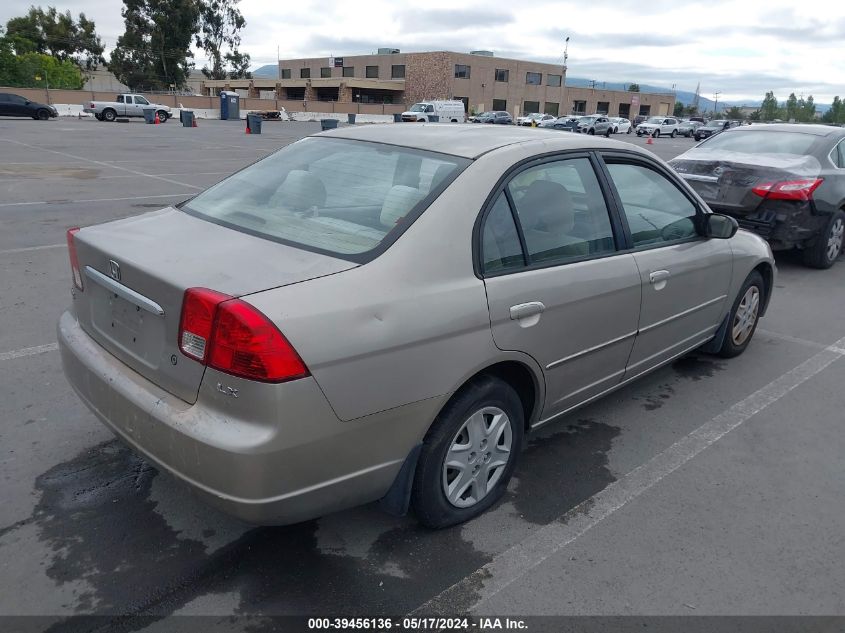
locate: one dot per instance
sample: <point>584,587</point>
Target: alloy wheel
<point>834,240</point>
<point>746,316</point>
<point>477,457</point>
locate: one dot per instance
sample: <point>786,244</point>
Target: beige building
<point>481,80</point>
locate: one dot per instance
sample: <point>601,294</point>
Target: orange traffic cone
<point>650,140</point>
<point>248,131</point>
<point>156,120</point>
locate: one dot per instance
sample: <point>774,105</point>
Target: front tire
<point>656,133</point>
<point>42,115</point>
<point>629,131</point>
<point>673,134</point>
<point>744,316</point>
<point>468,454</point>
<point>162,116</point>
<point>591,131</point>
<point>828,246</point>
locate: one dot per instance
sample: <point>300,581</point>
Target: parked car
<point>638,119</point>
<point>451,111</point>
<point>497,116</point>
<point>659,125</point>
<point>621,125</point>
<point>125,105</point>
<point>784,182</point>
<point>688,128</point>
<point>710,128</point>
<point>562,123</point>
<point>475,117</point>
<point>16,105</point>
<point>533,118</point>
<point>286,344</point>
<point>595,125</point>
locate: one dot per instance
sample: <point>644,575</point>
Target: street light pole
<point>716,105</point>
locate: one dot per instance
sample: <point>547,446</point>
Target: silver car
<point>384,312</point>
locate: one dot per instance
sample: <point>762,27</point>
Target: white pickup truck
<point>125,105</point>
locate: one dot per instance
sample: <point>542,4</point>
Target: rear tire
<point>629,131</point>
<point>672,135</point>
<point>109,115</point>
<point>744,316</point>
<point>828,245</point>
<point>486,417</point>
<point>608,132</point>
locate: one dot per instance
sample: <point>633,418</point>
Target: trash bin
<point>253,122</point>
<point>328,124</point>
<point>433,118</point>
<point>230,106</point>
<point>397,117</point>
<point>150,115</point>
<point>351,118</point>
<point>187,118</point>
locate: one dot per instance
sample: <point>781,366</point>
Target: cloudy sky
<point>741,49</point>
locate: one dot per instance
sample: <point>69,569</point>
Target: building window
<point>348,71</point>
<point>500,104</point>
<point>397,71</point>
<point>325,71</point>
<point>603,107</point>
<point>285,73</point>
<point>645,110</point>
<point>372,72</point>
<point>461,71</point>
<point>295,94</point>
<point>553,81</point>
<point>305,73</point>
<point>530,107</point>
<point>551,108</point>
<point>534,79</point>
<point>502,74</point>
<point>579,107</point>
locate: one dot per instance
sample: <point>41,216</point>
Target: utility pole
<point>563,78</point>
<point>278,63</point>
<point>716,105</point>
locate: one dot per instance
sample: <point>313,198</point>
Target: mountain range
<point>685,97</point>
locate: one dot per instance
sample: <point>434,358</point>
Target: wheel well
<point>520,378</point>
<point>766,271</point>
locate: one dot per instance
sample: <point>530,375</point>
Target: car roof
<point>471,140</point>
<point>808,128</point>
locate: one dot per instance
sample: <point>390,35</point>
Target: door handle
<point>525,310</point>
<point>658,275</point>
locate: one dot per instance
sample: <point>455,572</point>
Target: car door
<point>5,105</point>
<point>685,277</point>
<point>18,106</point>
<point>558,289</point>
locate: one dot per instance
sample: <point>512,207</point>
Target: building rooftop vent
<point>388,51</point>
<point>482,53</point>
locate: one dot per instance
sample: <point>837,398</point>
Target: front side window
<point>461,71</point>
<point>562,211</point>
<point>534,79</point>
<point>656,210</point>
<point>500,247</point>
<point>335,196</point>
<point>371,72</point>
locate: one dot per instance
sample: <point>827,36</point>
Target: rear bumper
<point>783,224</point>
<point>277,454</point>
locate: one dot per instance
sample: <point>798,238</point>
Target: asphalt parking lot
<point>711,487</point>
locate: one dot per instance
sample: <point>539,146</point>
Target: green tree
<point>58,35</point>
<point>836,113</point>
<point>37,70</point>
<point>755,116</point>
<point>769,107</point>
<point>220,24</point>
<point>734,113</point>
<point>679,109</point>
<point>633,87</point>
<point>808,110</point>
<point>792,107</point>
<point>154,52</point>
<point>691,110</point>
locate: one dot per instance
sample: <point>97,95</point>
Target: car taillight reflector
<point>788,189</point>
<point>198,309</point>
<point>236,338</point>
<point>75,272</point>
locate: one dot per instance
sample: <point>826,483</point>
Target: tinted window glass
<point>371,72</point>
<point>120,99</point>
<point>348,71</point>
<point>502,74</point>
<point>500,247</point>
<point>285,73</point>
<point>656,209</point>
<point>562,211</point>
<point>325,71</point>
<point>335,195</point>
<point>553,80</point>
<point>842,154</point>
<point>534,79</point>
<point>141,101</point>
<point>397,71</point>
<point>762,142</point>
<point>462,71</point>
<point>304,73</point>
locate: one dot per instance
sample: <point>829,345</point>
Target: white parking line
<point>509,566</point>
<point>26,249</point>
<point>29,351</point>
<point>102,164</point>
<point>163,195</point>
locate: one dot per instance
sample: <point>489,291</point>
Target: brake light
<point>788,189</point>
<point>234,337</point>
<point>75,272</point>
<point>91,105</point>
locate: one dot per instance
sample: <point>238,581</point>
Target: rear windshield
<point>762,142</point>
<point>341,197</point>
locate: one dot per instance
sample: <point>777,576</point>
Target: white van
<point>447,111</point>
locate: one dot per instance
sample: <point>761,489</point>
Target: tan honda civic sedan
<point>384,312</point>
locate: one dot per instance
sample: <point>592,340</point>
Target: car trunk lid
<point>136,271</point>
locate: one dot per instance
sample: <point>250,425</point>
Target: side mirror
<point>718,226</point>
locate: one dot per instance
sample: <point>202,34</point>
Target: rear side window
<point>336,196</point>
<point>500,247</point>
<point>656,210</point>
<point>562,211</point>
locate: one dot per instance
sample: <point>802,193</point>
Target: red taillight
<point>91,105</point>
<point>75,272</point>
<point>234,337</point>
<point>788,189</point>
